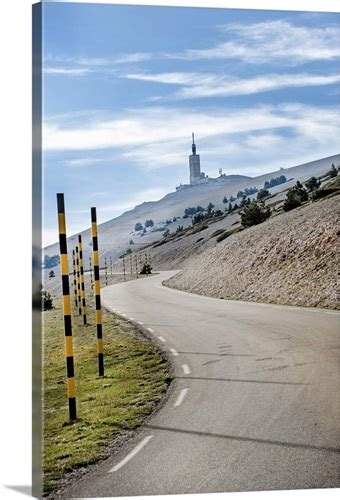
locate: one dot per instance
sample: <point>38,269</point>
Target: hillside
<point>115,234</point>
<point>289,259</point>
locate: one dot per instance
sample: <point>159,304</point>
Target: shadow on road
<point>246,439</point>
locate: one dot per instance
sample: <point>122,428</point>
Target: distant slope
<point>115,234</point>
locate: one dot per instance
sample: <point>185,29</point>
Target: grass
<point>136,377</point>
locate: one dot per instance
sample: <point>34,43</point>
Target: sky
<point>125,86</point>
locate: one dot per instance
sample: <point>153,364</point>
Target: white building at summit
<point>196,175</point>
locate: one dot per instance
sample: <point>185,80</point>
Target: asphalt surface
<point>254,402</point>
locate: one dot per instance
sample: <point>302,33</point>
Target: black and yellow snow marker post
<point>124,267</point>
<point>149,262</point>
<point>82,280</point>
<point>75,278</point>
<point>78,281</point>
<point>136,262</point>
<point>105,271</point>
<point>131,264</point>
<point>111,266</point>
<point>91,277</point>
<point>97,291</point>
<point>66,308</point>
<point>140,262</point>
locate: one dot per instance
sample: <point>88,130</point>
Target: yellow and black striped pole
<point>131,264</point>
<point>124,267</point>
<point>150,265</point>
<point>91,278</point>
<point>136,263</point>
<point>140,263</point>
<point>97,291</point>
<point>75,278</point>
<point>105,271</point>
<point>82,281</point>
<point>78,281</point>
<point>66,308</point>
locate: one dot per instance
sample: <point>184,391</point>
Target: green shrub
<point>263,193</point>
<point>333,172</point>
<point>312,184</point>
<point>254,214</point>
<point>47,301</point>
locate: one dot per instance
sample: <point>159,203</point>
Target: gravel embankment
<point>290,259</point>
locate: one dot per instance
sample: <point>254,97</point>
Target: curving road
<point>253,405</point>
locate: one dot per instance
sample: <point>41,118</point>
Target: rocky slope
<point>289,259</point>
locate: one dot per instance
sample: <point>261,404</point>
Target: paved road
<point>253,405</point>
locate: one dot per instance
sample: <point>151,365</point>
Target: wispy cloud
<point>271,41</point>
<point>197,85</point>
<point>155,138</point>
<point>66,71</point>
<point>153,125</point>
<point>83,65</point>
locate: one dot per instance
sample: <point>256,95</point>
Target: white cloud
<point>271,41</point>
<point>66,71</point>
<point>84,65</point>
<point>166,127</point>
<point>198,85</point>
<point>85,162</point>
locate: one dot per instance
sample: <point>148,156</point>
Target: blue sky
<point>124,87</point>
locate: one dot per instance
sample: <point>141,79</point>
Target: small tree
<point>312,184</point>
<point>138,226</point>
<point>230,208</point>
<point>333,172</point>
<point>225,200</point>
<point>232,198</point>
<point>47,301</point>
<point>149,223</point>
<point>131,242</point>
<point>210,207</point>
<point>197,218</point>
<point>255,213</point>
<point>300,191</point>
<point>263,193</point>
<point>292,200</point>
<point>146,269</point>
<point>51,274</point>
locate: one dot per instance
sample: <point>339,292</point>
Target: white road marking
<point>162,339</point>
<point>140,322</point>
<point>186,369</point>
<point>174,352</point>
<point>132,453</point>
<point>181,397</point>
<point>150,330</point>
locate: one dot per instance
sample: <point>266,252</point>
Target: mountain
<point>114,235</point>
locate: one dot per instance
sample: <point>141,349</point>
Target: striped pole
<point>140,263</point>
<point>124,267</point>
<point>150,263</point>
<point>97,291</point>
<point>71,394</point>
<point>82,281</point>
<point>105,272</point>
<point>78,281</point>
<point>111,265</point>
<point>74,278</point>
<point>136,263</point>
<point>131,264</point>
<point>91,277</point>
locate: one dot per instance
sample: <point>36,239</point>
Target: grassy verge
<point>136,377</point>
